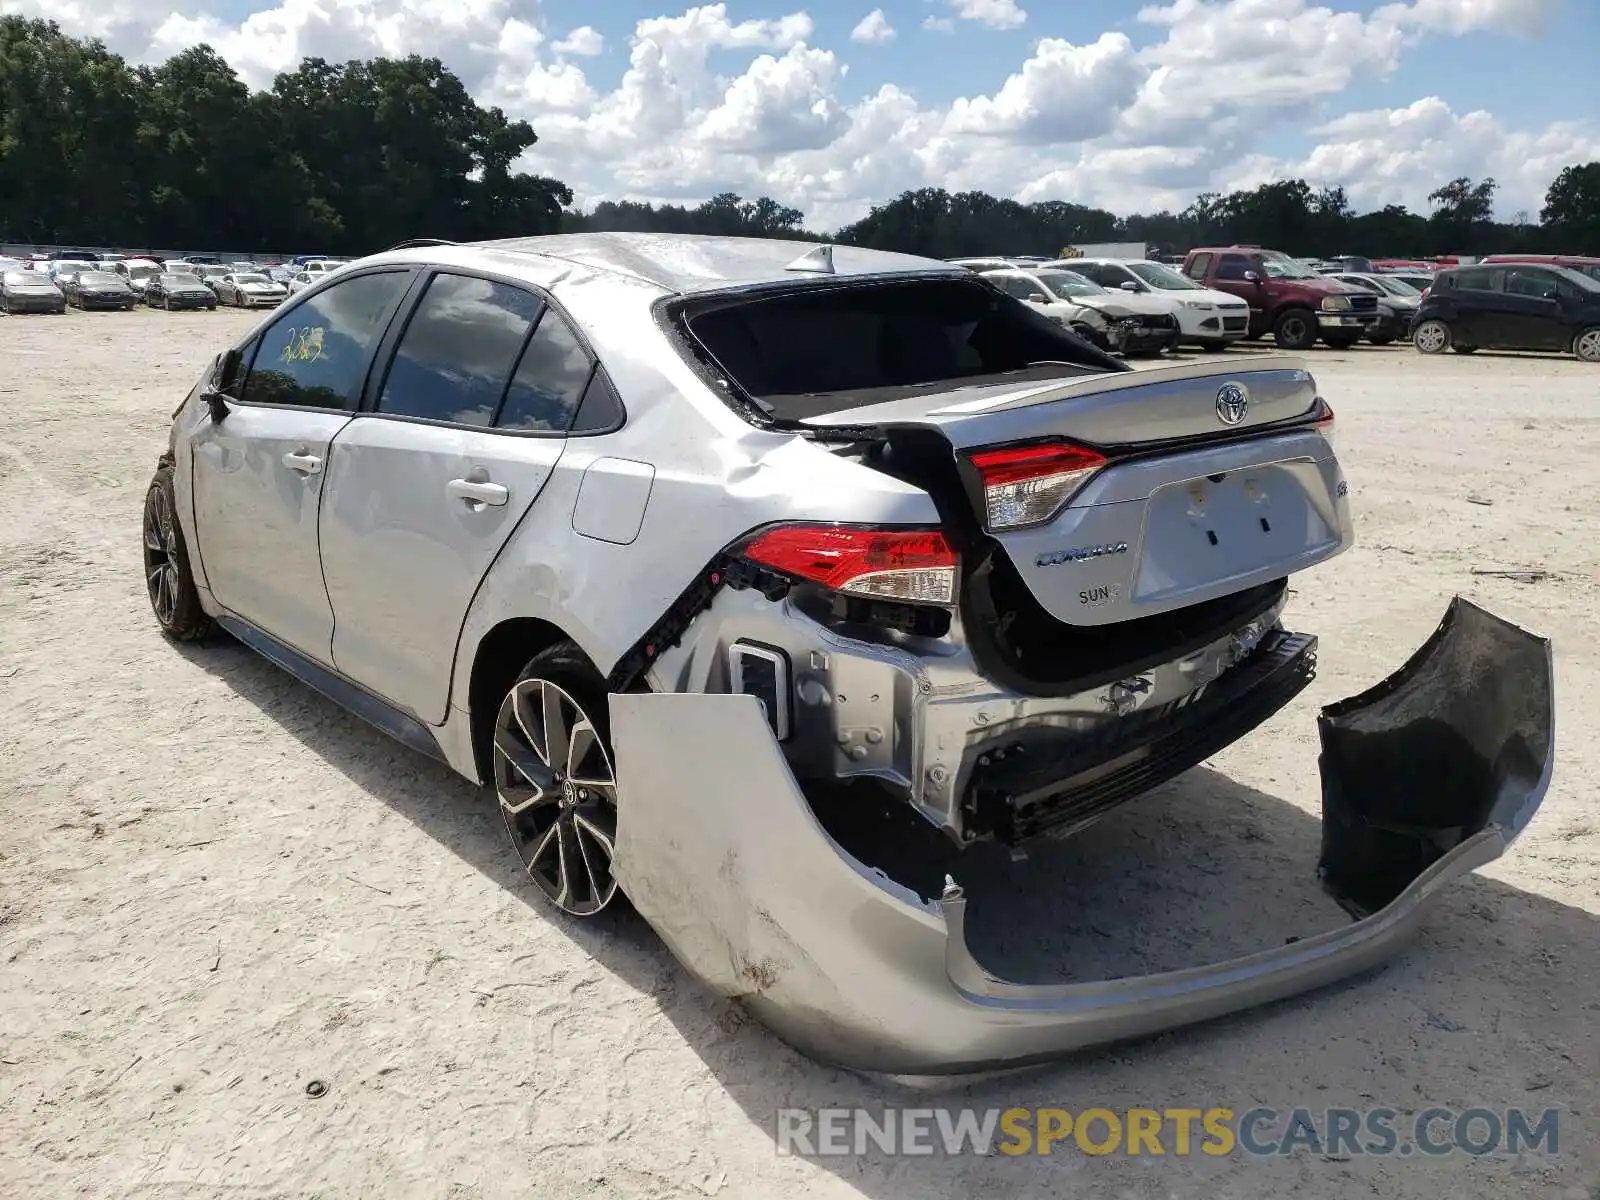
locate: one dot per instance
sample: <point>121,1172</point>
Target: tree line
<point>349,158</point>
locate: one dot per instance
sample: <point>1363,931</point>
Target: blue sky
<point>1106,102</point>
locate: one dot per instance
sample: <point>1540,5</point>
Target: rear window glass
<point>830,348</point>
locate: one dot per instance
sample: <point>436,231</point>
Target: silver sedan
<point>675,541</point>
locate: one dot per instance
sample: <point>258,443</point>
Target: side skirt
<point>352,697</point>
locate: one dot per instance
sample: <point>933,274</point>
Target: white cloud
<point>778,105</point>
<point>874,27</point>
<point>585,40</point>
<point>1064,93</point>
<point>996,14</point>
<point>1399,155</point>
<point>708,103</point>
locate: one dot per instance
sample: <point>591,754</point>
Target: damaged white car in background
<point>668,538</point>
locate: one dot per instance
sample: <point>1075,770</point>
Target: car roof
<point>682,263</point>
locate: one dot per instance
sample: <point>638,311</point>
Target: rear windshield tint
<point>829,348</point>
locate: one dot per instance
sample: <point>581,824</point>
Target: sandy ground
<point>215,887</point>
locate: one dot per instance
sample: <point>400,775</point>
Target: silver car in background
<point>30,291</point>
<point>250,289</point>
<point>675,541</point>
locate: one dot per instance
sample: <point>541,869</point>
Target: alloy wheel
<point>1587,345</point>
<point>558,795</point>
<point>1431,337</point>
<point>160,561</point>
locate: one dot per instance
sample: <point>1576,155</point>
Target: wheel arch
<point>497,660</point>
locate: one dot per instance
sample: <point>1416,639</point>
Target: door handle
<point>476,489</point>
<point>302,461</point>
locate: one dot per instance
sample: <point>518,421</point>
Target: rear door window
<point>1480,279</point>
<point>316,354</point>
<point>550,381</point>
<point>460,345</point>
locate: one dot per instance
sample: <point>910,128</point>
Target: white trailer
<point>1125,250</point>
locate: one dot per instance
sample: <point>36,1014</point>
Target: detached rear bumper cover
<point>1425,777</point>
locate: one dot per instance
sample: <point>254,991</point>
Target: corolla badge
<point>1080,554</point>
<point>1233,402</point>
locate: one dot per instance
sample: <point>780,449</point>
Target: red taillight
<point>913,565</point>
<point>1324,421</point>
<point>1426,290</point>
<point>1027,485</point>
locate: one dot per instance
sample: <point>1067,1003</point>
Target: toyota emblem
<point>1232,403</point>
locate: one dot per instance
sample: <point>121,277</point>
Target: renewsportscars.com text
<point>1180,1132</point>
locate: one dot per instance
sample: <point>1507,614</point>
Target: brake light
<point>912,565</point>
<point>1324,422</point>
<point>1028,485</point>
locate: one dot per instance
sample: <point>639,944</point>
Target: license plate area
<point>1205,531</point>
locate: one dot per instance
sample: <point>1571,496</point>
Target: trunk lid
<point>1121,409</point>
<point>1188,508</point>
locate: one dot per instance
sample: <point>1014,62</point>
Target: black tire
<point>1341,342</point>
<point>559,809</point>
<point>1295,329</point>
<point>1586,345</point>
<point>169,583</point>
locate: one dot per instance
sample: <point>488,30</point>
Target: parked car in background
<point>1421,280</point>
<point>1509,306</point>
<point>99,289</point>
<point>200,260</point>
<point>1573,262</point>
<point>62,269</point>
<point>178,267</point>
<point>283,275</point>
<point>30,291</point>
<point>250,289</point>
<point>1397,305</point>
<point>178,289</point>
<point>1211,319</point>
<point>1287,299</point>
<point>984,264</point>
<point>210,274</point>
<point>139,272</point>
<point>1121,322</point>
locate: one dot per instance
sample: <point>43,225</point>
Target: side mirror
<point>1038,298</point>
<point>1129,285</point>
<point>1252,277</point>
<point>216,398</point>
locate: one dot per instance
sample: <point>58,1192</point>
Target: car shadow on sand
<point>1493,1004</point>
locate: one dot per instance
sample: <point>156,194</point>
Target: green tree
<point>1572,208</point>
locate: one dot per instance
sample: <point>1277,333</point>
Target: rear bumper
<point>1425,777</point>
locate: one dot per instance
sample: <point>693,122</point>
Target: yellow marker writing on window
<point>304,345</point>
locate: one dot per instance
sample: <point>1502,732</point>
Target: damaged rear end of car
<point>1097,608</point>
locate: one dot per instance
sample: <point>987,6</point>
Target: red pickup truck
<point>1287,298</point>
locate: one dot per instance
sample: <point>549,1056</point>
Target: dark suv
<point>1510,307</point>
